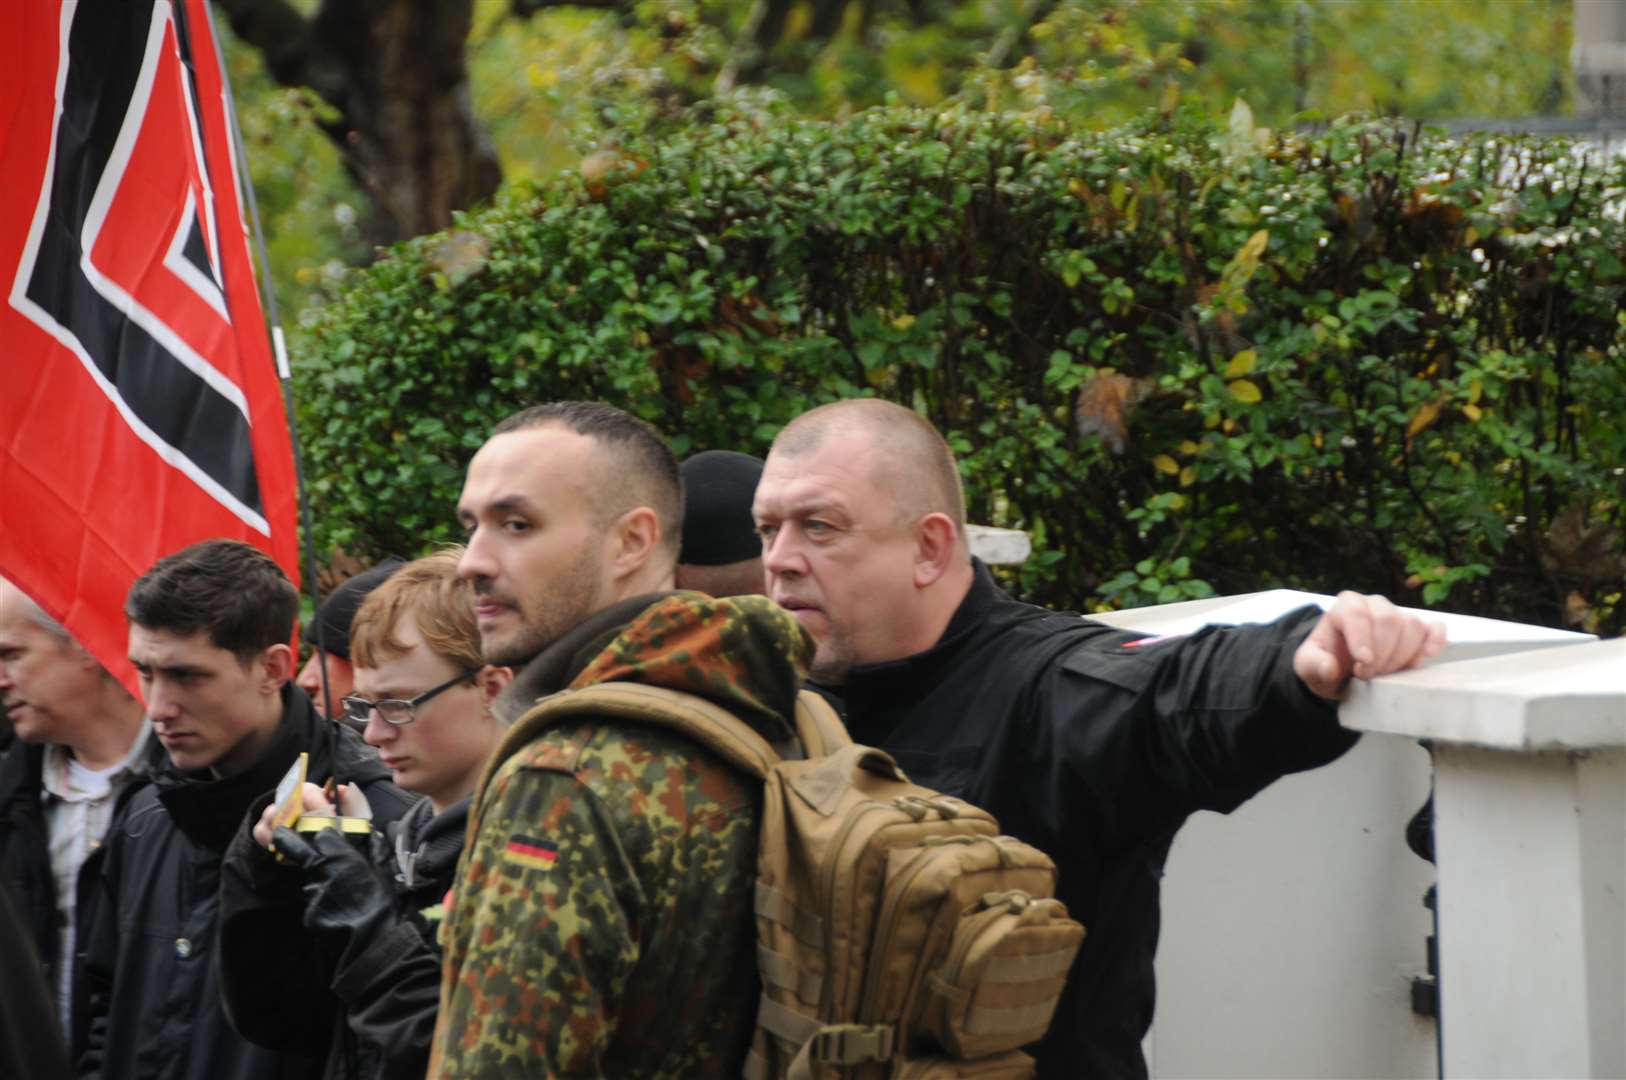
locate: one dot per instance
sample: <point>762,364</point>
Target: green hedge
<point>1183,355</point>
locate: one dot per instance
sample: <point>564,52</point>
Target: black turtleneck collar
<point>874,694</point>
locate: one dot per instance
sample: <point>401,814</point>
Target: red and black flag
<point>140,408</point>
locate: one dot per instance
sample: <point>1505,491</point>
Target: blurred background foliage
<point>1184,324</point>
<point>552,82</point>
<point>1184,354</point>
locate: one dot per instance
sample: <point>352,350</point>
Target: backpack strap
<point>708,724</point>
<point>818,727</point>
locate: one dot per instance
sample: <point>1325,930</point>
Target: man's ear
<point>276,666</point>
<point>634,538</point>
<point>82,657</point>
<point>492,681</point>
<point>936,543</point>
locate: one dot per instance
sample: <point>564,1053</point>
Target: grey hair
<point>43,618</point>
<point>38,615</point>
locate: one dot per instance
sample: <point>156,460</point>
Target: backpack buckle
<point>913,805</point>
<point>852,1044</point>
<point>1014,899</point>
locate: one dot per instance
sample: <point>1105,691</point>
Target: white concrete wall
<point>1532,881</point>
<point>1292,928</point>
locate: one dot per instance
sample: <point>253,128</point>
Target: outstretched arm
<point>1363,637</point>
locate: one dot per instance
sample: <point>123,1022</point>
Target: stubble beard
<point>832,660</point>
<point>575,596</point>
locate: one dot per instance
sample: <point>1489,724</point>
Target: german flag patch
<point>531,852</point>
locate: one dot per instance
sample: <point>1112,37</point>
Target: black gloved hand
<point>347,902</point>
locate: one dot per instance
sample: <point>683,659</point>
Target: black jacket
<point>1095,749</point>
<point>150,966</point>
<point>25,851</point>
<point>388,989</point>
<point>25,865</point>
<point>30,1039</point>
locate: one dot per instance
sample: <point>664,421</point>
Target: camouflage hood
<point>745,653</point>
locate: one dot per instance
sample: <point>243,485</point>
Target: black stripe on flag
<point>175,403</point>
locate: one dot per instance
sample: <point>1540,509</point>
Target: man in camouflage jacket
<point>601,924</point>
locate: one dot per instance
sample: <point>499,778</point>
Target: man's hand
<point>313,802</point>
<point>347,901</point>
<point>1363,636</point>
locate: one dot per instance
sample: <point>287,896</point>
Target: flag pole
<point>279,346</point>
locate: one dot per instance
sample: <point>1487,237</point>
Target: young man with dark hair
<point>1091,743</point>
<point>210,628</point>
<point>602,923</point>
<point>424,696</point>
<point>82,742</point>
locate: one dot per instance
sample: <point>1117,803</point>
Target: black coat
<point>388,987</point>
<point>150,966</point>
<point>1095,750</point>
<point>30,1040</point>
<point>25,851</point>
<point>25,865</point>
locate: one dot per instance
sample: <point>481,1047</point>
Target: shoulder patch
<point>532,852</point>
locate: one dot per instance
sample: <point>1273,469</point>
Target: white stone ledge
<point>1568,698</point>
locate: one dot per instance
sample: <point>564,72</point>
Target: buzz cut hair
<point>910,460</point>
<point>232,591</point>
<point>440,603</point>
<point>638,467</point>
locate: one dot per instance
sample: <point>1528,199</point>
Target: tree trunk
<point>396,72</point>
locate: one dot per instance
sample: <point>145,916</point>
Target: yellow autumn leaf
<point>1188,476</point>
<point>1255,245</point>
<point>1424,417</point>
<point>1166,465</point>
<point>1245,392</point>
<point>1241,364</point>
<point>1187,447</point>
<point>903,322</point>
<point>1475,389</point>
<point>1472,412</point>
<point>1211,421</point>
<point>1177,501</point>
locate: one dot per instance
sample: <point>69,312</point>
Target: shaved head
<point>633,465</point>
<point>909,460</point>
<point>863,533</point>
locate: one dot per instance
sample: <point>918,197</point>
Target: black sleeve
<point>389,987</point>
<point>100,946</point>
<point>272,977</point>
<point>1131,738</point>
<point>30,1039</point>
<point>390,990</point>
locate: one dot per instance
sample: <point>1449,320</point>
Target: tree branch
<point>1014,41</point>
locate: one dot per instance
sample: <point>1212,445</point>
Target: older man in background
<point>81,741</point>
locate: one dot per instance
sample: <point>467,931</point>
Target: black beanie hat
<point>338,611</point>
<point>718,486</point>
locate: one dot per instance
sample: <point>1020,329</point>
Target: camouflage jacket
<point>601,922</point>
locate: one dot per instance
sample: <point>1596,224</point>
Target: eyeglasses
<point>395,710</point>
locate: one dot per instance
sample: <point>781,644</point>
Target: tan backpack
<point>898,934</point>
